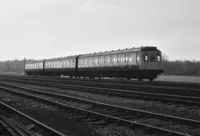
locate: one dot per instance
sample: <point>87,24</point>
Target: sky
<point>42,29</point>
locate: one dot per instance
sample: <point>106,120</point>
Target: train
<point>139,63</point>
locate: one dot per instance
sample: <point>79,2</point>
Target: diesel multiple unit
<point>140,63</point>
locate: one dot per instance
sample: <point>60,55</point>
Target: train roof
<point>62,58</point>
<point>34,61</point>
<point>127,50</point>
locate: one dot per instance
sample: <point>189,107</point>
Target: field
<point>192,79</point>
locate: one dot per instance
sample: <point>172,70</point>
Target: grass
<point>192,79</point>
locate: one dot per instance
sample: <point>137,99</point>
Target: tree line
<point>181,67</point>
<point>171,67</point>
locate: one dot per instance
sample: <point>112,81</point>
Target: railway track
<point>166,98</point>
<point>183,91</point>
<point>11,127</point>
<point>116,81</point>
<point>106,112</point>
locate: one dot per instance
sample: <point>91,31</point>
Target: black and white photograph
<point>100,68</point>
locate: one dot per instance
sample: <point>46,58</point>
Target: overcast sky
<point>53,28</point>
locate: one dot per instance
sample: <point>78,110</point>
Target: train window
<point>146,57</point>
<point>66,63</point>
<point>88,61</point>
<point>158,56</point>
<point>130,58</point>
<point>115,59</point>
<point>112,59</point>
<point>85,61</point>
<point>63,63</point>
<point>118,58</point>
<point>96,60</point>
<point>102,61</point>
<point>126,58</point>
<point>108,59</point>
<point>152,57</point>
<point>137,57</point>
<point>123,58</point>
<point>91,61</point>
<point>69,63</point>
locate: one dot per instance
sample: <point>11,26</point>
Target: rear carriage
<point>34,68</point>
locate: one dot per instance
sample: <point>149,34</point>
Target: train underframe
<point>100,72</point>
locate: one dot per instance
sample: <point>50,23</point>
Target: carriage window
<point>126,58</point>
<point>118,58</point>
<point>130,59</point>
<point>137,57</point>
<point>108,59</point>
<point>93,59</point>
<point>105,60</point>
<point>158,56</point>
<point>102,60</point>
<point>152,57</point>
<point>115,59</point>
<point>146,57</point>
<point>123,58</point>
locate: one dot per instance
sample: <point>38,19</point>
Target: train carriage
<point>60,66</point>
<point>141,63</point>
<point>34,68</point>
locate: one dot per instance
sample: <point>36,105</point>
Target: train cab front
<point>151,62</point>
